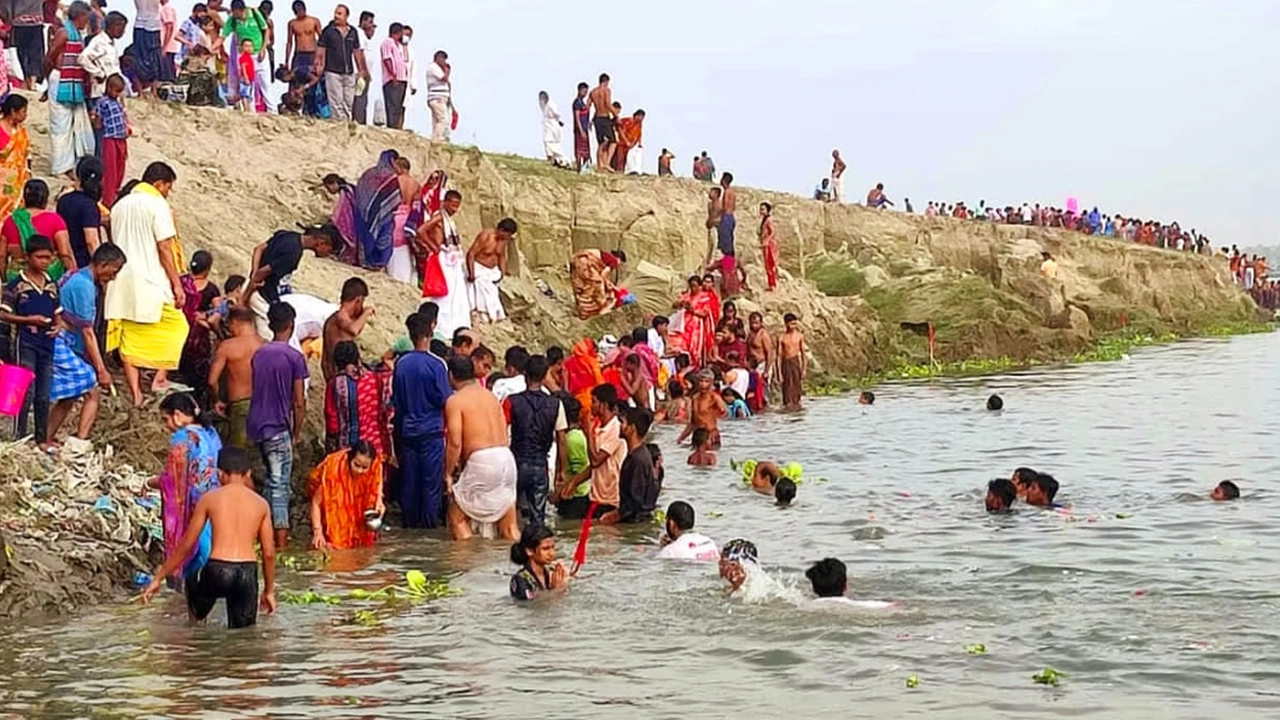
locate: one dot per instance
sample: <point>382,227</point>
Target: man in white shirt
<point>101,58</point>
<point>440,96</point>
<point>680,542</point>
<point>515,359</point>
<point>368,26</point>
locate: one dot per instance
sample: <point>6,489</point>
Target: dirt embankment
<point>853,275</point>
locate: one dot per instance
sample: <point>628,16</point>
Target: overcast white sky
<point>1159,108</point>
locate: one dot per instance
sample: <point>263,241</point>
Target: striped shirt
<point>394,67</point>
<point>114,123</point>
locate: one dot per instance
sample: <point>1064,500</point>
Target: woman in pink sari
<point>430,198</point>
<point>700,311</point>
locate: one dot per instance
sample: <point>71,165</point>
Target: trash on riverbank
<point>74,524</point>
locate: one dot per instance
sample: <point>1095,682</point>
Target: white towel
<point>483,293</point>
<point>486,489</point>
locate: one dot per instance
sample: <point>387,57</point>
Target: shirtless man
<point>346,324</point>
<point>792,365</point>
<point>476,440</point>
<point>636,382</point>
<point>238,516</point>
<point>727,224</point>
<point>601,100</point>
<point>304,36</point>
<point>707,407</point>
<point>713,220</point>
<point>837,177</point>
<point>486,265</point>
<point>410,188</point>
<point>216,11</point>
<point>235,357</point>
<point>765,477</point>
<point>759,346</point>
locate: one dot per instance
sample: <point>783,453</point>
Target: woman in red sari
<point>701,311</point>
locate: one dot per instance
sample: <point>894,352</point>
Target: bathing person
<point>702,455</point>
<point>680,541</point>
<point>1022,478</point>
<point>540,571</point>
<point>1041,491</point>
<point>829,578</point>
<point>765,479</point>
<point>867,398</point>
<point>784,492</point>
<point>239,516</point>
<point>1226,490</point>
<point>995,403</point>
<point>733,557</point>
<point>1000,495</point>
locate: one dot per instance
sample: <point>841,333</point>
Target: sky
<point>1163,109</point>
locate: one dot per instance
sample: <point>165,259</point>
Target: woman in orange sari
<point>582,374</point>
<point>701,311</point>
<point>343,488</point>
<point>629,136</point>
<point>14,147</point>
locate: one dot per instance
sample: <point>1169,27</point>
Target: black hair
<point>1024,476</point>
<point>726,178</point>
<point>682,361</point>
<point>453,195</point>
<point>785,491</point>
<point>868,396</point>
<point>430,311</point>
<point>995,402</point>
<point>334,179</point>
<point>280,316</point>
<point>237,5</point>
<point>240,313</point>
<point>361,447</point>
<point>439,348</point>
<point>507,225</point>
<point>201,262</point>
<point>641,419</point>
<point>675,390</point>
<point>606,395</point>
<point>829,577</point>
<point>572,406</point>
<point>158,172</point>
<point>234,461</point>
<point>35,194</point>
<point>660,320</point>
<point>626,341</point>
<point>620,254</point>
<point>583,86</point>
<point>632,359</point>
<point>346,353</point>
<point>532,536</point>
<point>12,104</point>
<point>555,355</point>
<point>1230,490</point>
<point>419,327</point>
<point>36,243</point>
<point>89,171</point>
<point>1048,485</point>
<point>535,368</point>
<point>462,368</point>
<point>233,283</point>
<point>460,338</point>
<point>768,207</point>
<point>354,288</point>
<point>108,254</point>
<point>700,437</point>
<point>516,358</point>
<point>395,28</point>
<point>681,514</point>
<point>1004,489</point>
<point>366,15</point>
<point>482,351</point>
<point>790,317</point>
<point>186,404</point>
<point>299,6</point>
<point>604,77</point>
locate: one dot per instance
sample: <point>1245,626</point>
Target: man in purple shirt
<point>276,411</point>
<point>419,390</point>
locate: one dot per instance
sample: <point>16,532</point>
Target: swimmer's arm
<point>188,542</point>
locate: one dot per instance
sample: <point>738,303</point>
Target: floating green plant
<point>417,588</point>
<point>976,649</point>
<point>913,681</point>
<point>1048,676</point>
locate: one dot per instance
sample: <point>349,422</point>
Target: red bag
<point>453,124</point>
<point>433,282</point>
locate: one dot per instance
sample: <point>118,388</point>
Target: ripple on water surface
<point>1154,602</point>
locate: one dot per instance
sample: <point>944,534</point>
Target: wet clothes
<point>236,582</point>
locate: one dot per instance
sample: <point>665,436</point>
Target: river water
<point>1152,601</point>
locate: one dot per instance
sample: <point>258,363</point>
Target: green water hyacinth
<point>1048,676</point>
<point>913,682</point>
<point>976,649</point>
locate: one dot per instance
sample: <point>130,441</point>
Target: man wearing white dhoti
<point>483,500</point>
<point>552,128</point>
<point>486,267</point>
<point>445,275</point>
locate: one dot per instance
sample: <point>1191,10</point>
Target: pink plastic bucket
<point>14,381</point>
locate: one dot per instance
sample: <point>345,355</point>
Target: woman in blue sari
<point>376,200</point>
<point>190,471</point>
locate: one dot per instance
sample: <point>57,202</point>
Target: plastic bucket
<point>14,381</point>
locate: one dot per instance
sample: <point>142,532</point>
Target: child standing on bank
<point>30,304</point>
<point>248,71</point>
<point>110,117</point>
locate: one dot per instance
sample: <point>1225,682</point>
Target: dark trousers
<point>39,361</point>
<point>393,94</point>
<point>533,484</point>
<point>421,480</point>
<point>360,108</point>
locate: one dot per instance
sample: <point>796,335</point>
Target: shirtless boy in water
<point>235,357</point>
<point>792,362</point>
<point>239,516</point>
<point>476,439</point>
<point>765,477</point>
<point>707,407</point>
<point>347,323</point>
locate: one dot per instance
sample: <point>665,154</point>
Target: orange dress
<point>344,499</point>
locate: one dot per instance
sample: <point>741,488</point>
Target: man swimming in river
<point>702,455</point>
<point>476,438</point>
<point>707,407</point>
<point>1001,493</point>
<point>239,516</point>
<point>1225,490</point>
<point>734,557</point>
<point>1041,491</point>
<point>765,477</point>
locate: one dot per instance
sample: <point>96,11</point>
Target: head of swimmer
<point>995,403</point>
<point>1225,490</point>
<point>829,578</point>
<point>784,492</point>
<point>732,557</point>
<point>867,398</point>
<point>1000,495</point>
<point>537,546</point>
<point>680,519</point>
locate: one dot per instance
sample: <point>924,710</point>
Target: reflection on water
<point>1154,602</point>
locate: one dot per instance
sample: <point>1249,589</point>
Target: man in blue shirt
<point>419,390</point>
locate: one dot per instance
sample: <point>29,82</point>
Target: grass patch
<point>837,279</point>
